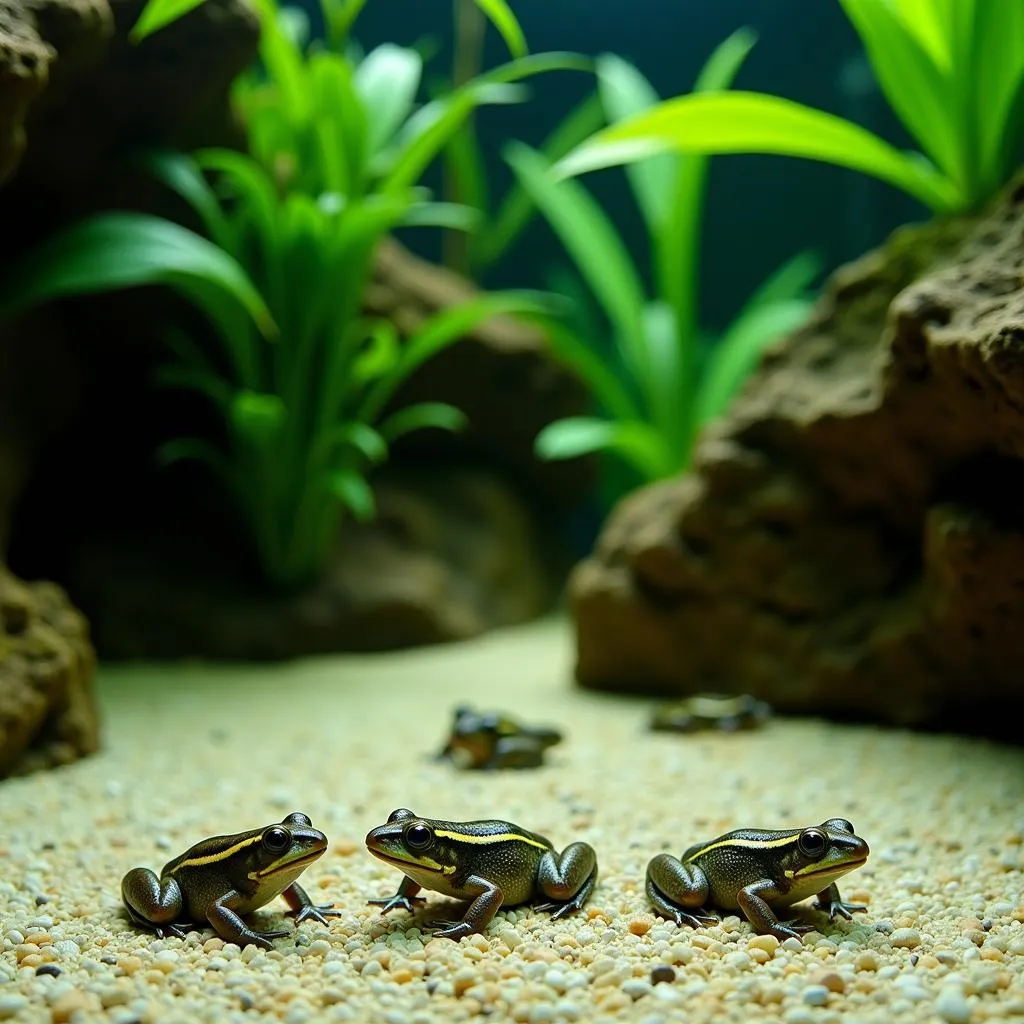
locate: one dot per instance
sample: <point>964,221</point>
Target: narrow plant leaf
<point>637,443</point>
<point>500,15</point>
<point>741,122</point>
<point>418,417</point>
<point>386,81</point>
<point>369,442</point>
<point>624,92</point>
<point>196,449</point>
<point>595,247</point>
<point>182,174</point>
<point>454,216</point>
<point>158,13</point>
<point>737,352</point>
<point>124,250</point>
<point>444,329</point>
<point>380,354</point>
<point>517,207</point>
<point>916,88</point>
<point>191,378</point>
<point>257,417</point>
<point>352,490</point>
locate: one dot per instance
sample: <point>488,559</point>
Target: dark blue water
<point>760,210</point>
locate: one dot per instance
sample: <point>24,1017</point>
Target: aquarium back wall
<point>760,209</point>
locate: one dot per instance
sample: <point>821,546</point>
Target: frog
<point>489,863</point>
<point>492,741</point>
<point>724,712</point>
<point>222,878</point>
<point>759,872</point>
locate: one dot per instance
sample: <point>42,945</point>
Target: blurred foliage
<point>952,70</point>
<point>660,380</point>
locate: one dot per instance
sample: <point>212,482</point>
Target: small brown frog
<point>492,740</point>
<point>724,712</point>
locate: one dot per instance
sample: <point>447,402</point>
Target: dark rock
<point>451,554</point>
<point>851,540</point>
<point>47,713</point>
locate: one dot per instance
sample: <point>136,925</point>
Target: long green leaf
<point>592,241</point>
<point>501,16</point>
<point>387,80</point>
<point>124,250</point>
<point>931,24</point>
<point>417,417</point>
<point>444,329</point>
<point>739,349</point>
<point>638,443</point>
<point>517,207</point>
<point>158,13</point>
<point>918,90</point>
<point>625,92</point>
<point>182,174</point>
<point>351,489</point>
<point>742,122</point>
<point>676,237</point>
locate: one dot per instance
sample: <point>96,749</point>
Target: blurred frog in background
<point>492,740</point>
<point>713,711</point>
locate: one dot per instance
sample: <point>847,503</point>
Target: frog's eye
<point>419,837</point>
<point>812,842</point>
<point>276,840</point>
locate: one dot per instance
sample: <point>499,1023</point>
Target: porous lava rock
<point>850,541</point>
<point>452,553</point>
<point>47,712</point>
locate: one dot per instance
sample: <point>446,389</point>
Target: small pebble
<point>905,938</point>
<point>952,1007</point>
<point>662,973</point>
<point>11,1005</point>
<point>815,995</point>
<point>52,970</point>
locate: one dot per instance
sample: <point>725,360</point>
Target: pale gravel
<point>193,751</point>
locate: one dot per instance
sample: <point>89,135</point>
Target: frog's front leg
<point>230,927</point>
<point>753,901</point>
<point>832,903</point>
<point>153,902</point>
<point>405,898</point>
<point>678,891</point>
<point>487,898</point>
<point>302,906</point>
<point>567,878</point>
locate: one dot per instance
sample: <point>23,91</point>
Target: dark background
<point>760,210</point>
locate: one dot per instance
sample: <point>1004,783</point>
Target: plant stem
<point>467,60</point>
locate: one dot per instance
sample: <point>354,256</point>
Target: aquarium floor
<point>193,751</point>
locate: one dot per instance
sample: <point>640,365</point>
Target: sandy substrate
<point>195,751</point>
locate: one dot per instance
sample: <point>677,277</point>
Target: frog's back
<point>737,859</point>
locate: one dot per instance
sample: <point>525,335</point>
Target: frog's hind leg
<point>154,903</point>
<point>678,891</point>
<point>567,878</point>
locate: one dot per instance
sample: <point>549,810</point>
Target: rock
<point>451,554</point>
<point>47,713</point>
<point>849,541</point>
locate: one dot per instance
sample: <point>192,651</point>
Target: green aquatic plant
<point>340,15</point>
<point>301,379</point>
<point>952,70</point>
<point>659,383</point>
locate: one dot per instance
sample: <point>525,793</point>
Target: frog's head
<point>283,849</point>
<point>822,853</point>
<point>412,844</point>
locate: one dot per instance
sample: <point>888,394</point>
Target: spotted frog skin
<point>223,878</point>
<point>490,863</point>
<point>758,872</point>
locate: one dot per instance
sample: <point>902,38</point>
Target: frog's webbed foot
<point>179,929</point>
<point>398,902</point>
<point>793,929</point>
<point>318,912</point>
<point>840,907</point>
<point>560,908</point>
<point>447,930</point>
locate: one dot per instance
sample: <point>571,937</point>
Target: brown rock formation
<point>47,714</point>
<point>851,540</point>
<point>452,553</point>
